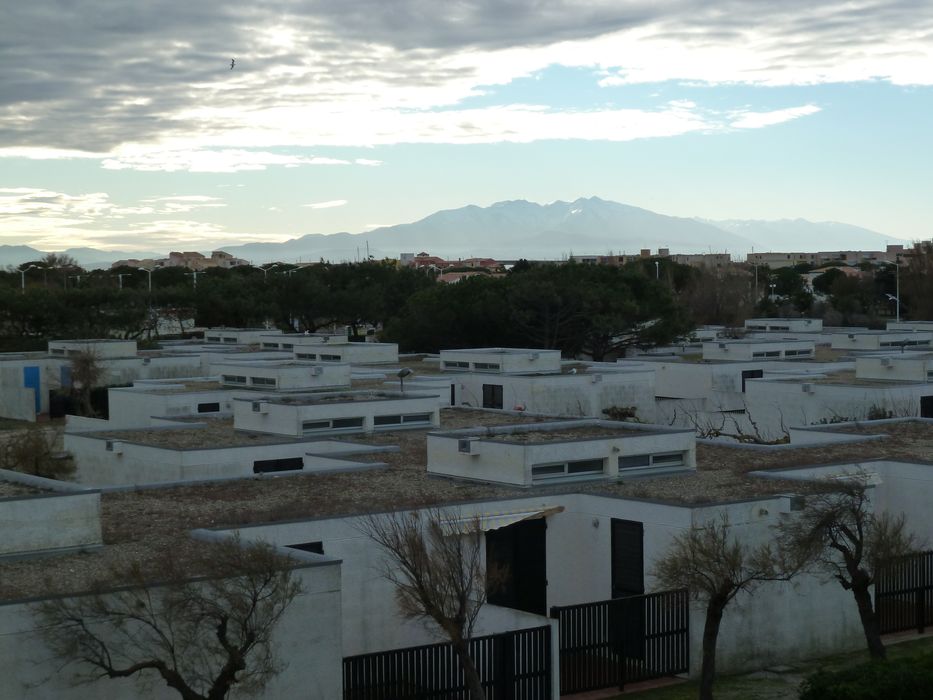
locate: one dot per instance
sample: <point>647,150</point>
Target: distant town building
<point>892,253</point>
<point>190,259</point>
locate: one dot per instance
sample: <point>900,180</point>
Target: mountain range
<point>521,229</point>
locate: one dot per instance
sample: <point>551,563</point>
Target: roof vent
<point>806,388</point>
<point>260,407</point>
<point>465,446</point>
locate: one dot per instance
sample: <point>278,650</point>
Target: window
<point>270,345</point>
<point>315,547</point>
<point>331,424</point>
<point>456,364</point>
<point>262,381</point>
<point>769,353</point>
<point>492,396</point>
<point>229,340</point>
<point>233,379</point>
<point>330,358</point>
<point>288,346</point>
<point>486,365</point>
<point>213,407</point>
<point>306,356</point>
<point>574,468</point>
<point>283,464</point>
<point>667,459</point>
<point>408,419</point>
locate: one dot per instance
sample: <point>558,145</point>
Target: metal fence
<point>512,666</point>
<point>623,640</point>
<point>904,594</point>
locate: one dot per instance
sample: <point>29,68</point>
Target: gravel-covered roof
<point>139,523</point>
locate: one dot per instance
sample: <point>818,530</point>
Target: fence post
<point>919,609</point>
<point>504,655</point>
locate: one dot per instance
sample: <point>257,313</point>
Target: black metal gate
<point>624,640</point>
<point>512,666</point>
<point>904,594</point>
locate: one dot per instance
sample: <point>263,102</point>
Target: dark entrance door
<point>628,558</point>
<point>627,616</point>
<point>516,563</point>
<point>926,406</point>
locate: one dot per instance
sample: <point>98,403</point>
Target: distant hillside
<point>517,229</point>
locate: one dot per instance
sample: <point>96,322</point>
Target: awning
<point>495,520</point>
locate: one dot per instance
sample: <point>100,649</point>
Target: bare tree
<point>839,533</point>
<point>202,637</point>
<point>35,450</point>
<point>86,373</point>
<point>716,566</point>
<point>438,574</point>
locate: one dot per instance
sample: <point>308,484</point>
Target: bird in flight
<point>232,63</point>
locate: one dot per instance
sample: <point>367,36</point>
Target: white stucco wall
<point>565,394</point>
<point>48,522</point>
<point>307,641</point>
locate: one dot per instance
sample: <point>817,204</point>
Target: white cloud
<point>758,120</point>
<point>371,72</point>
<point>326,205</point>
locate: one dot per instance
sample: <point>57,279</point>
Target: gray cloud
<point>94,75</point>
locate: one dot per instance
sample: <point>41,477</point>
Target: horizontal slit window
<point>387,420</point>
<point>630,461</point>
<point>233,379</point>
<point>417,418</point>
<point>331,358</point>
<point>456,364</point>
<point>262,381</point>
<point>315,547</point>
<point>668,459</point>
<point>347,423</point>
<point>574,468</point>
<point>270,345</point>
<point>283,464</point>
<point>486,365</point>
<point>306,356</point>
<point>208,407</point>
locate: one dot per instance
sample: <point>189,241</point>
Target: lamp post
<point>149,271</point>
<point>402,373</point>
<point>897,287</point>
<point>22,277</point>
<point>773,287</point>
<point>194,277</point>
<point>657,270</point>
<point>265,270</point>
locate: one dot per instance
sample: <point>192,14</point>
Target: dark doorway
<point>628,558</point>
<point>453,395</point>
<point>751,374</point>
<point>492,396</point>
<point>926,406</point>
<point>516,564</point>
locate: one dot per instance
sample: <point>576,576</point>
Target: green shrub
<point>904,679</point>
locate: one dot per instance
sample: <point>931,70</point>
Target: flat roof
<point>347,397</point>
<point>499,351</point>
<point>140,524</point>
<point>180,386</point>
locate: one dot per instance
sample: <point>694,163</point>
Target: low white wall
<point>306,639</point>
<point>49,521</point>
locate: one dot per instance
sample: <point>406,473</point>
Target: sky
<point>123,125</point>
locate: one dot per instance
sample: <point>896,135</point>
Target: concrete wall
<point>288,376</point>
<point>49,522</point>
<point>511,462</point>
<point>880,340</point>
<point>238,336</point>
<point>750,350</point>
<point>565,394</point>
<point>775,403</point>
<point>279,417</point>
<point>103,349</point>
<point>144,464</point>
<point>134,407</point>
<point>306,639</point>
<point>506,360</point>
<point>793,325</point>
<point>900,367</point>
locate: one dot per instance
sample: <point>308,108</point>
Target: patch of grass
<point>766,685</point>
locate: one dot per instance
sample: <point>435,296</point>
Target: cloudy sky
<point>123,126</point>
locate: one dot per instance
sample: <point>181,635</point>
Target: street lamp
<point>402,373</point>
<point>149,271</point>
<point>22,277</point>
<point>265,270</point>
<point>773,286</point>
<point>194,277</point>
<point>897,286</point>
<point>657,270</point>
